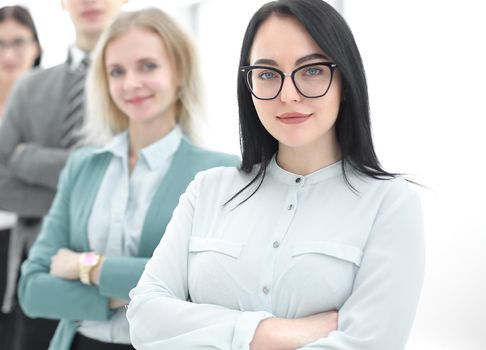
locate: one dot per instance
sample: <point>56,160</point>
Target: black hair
<point>353,127</point>
<point>22,16</point>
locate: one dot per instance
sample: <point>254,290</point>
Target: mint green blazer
<point>43,295</point>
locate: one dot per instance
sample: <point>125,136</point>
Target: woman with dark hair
<point>19,52</point>
<point>310,244</point>
<point>19,48</point>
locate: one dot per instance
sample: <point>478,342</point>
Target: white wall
<point>425,63</point>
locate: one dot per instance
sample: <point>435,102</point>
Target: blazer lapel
<point>87,187</point>
<point>60,95</point>
<point>165,200</point>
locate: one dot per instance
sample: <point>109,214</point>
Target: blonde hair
<point>104,119</point>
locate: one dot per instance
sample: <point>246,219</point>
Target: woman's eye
<point>267,75</point>
<point>116,72</point>
<point>313,71</point>
<point>147,67</point>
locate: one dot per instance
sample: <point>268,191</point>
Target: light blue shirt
<point>118,215</point>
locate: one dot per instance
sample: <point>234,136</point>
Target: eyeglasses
<point>311,80</point>
<point>18,45</point>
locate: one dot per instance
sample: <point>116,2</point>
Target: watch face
<point>90,259</point>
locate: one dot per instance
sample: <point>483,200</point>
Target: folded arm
<point>160,314</point>
<point>380,311</point>
<point>30,162</point>
<point>42,294</point>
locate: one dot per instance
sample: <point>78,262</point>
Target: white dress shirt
<point>76,55</point>
<point>118,214</point>
<point>299,246</point>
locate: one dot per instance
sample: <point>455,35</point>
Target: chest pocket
<point>229,248</point>
<point>335,250</point>
<point>329,268</point>
<point>212,266</point>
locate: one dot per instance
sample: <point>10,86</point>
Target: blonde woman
<point>114,202</point>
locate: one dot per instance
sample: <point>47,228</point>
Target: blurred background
<point>426,69</point>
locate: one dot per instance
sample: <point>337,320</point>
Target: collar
<point>75,56</point>
<point>295,179</point>
<point>154,154</point>
<point>160,151</point>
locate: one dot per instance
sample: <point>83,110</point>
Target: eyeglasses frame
<point>246,69</point>
<point>17,44</point>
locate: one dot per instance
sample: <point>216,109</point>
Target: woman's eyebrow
<point>298,62</point>
<point>310,57</point>
<point>265,61</point>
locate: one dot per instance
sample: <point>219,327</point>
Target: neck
<point>142,135</point>
<point>309,158</point>
<point>5,87</point>
<point>87,42</point>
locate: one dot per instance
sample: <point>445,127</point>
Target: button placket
<point>275,245</point>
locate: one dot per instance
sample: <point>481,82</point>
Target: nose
<point>132,81</point>
<point>8,53</point>
<point>289,92</point>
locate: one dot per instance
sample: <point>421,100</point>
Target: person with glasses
<point>20,51</point>
<point>310,244</point>
<point>40,128</point>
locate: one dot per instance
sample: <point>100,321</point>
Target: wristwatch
<point>87,262</point>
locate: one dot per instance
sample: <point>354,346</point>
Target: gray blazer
<point>34,117</point>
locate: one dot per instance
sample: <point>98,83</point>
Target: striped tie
<point>75,107</point>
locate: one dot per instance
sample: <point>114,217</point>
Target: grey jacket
<point>34,117</point>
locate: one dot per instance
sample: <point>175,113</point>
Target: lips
<point>9,67</point>
<point>293,118</point>
<point>91,14</point>
<point>137,100</point>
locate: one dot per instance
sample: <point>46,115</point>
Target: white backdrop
<point>425,63</point>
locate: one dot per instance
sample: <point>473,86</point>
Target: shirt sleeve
<point>380,310</point>
<point>33,164</point>
<point>43,295</point>
<point>38,165</point>
<point>160,313</point>
<point>25,200</point>
<point>120,274</point>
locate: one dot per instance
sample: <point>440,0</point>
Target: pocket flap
<point>230,248</point>
<point>336,250</point>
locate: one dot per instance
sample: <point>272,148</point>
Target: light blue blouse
<point>118,215</point>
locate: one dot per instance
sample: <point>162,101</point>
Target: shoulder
<point>83,157</point>
<point>205,157</point>
<point>395,197</point>
<point>220,181</point>
<point>38,80</point>
<point>396,187</point>
<point>398,190</point>
<point>42,76</point>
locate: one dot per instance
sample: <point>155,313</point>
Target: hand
<point>65,264</point>
<point>291,334</point>
<point>116,303</point>
<point>311,328</point>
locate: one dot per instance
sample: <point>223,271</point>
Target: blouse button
<point>290,207</point>
<point>276,244</point>
<point>298,180</point>
<point>265,290</point>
